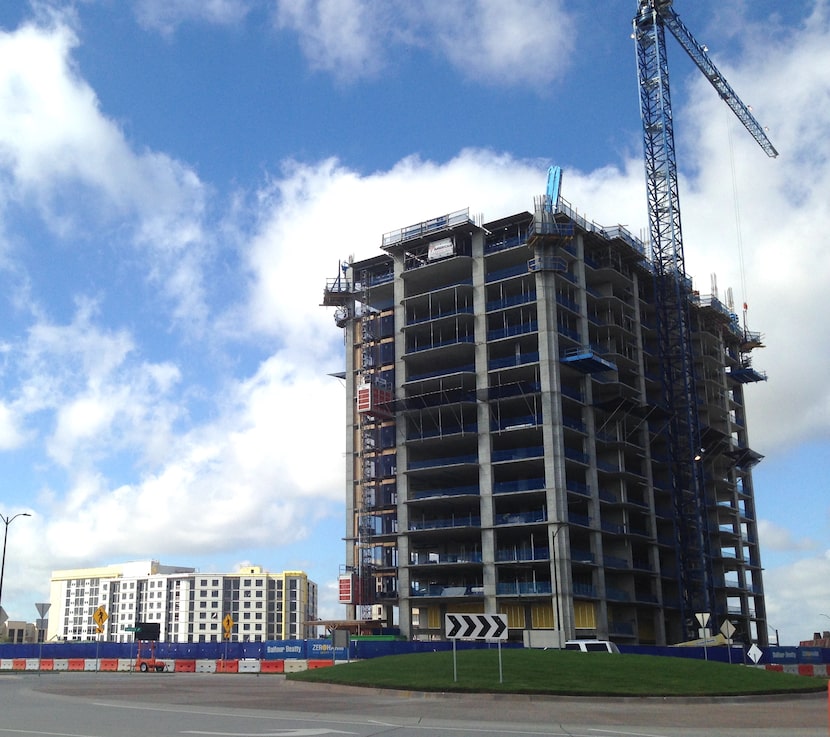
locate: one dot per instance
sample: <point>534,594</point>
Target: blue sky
<point>178,178</point>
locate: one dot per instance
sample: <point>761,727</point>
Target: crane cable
<point>738,227</point>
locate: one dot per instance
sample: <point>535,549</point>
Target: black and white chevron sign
<point>476,626</point>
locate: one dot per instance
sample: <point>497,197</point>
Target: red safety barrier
<point>805,670</point>
<point>227,666</point>
<point>185,666</point>
<point>108,664</point>
<point>47,664</point>
<point>775,666</point>
<point>272,666</point>
<point>319,664</point>
<point>76,664</point>
<point>18,663</point>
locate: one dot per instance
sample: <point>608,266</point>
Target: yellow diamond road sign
<point>100,616</point>
<point>227,622</point>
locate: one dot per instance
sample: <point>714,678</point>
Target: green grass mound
<point>561,672</point>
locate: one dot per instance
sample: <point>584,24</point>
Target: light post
<point>7,521</point>
<point>555,527</point>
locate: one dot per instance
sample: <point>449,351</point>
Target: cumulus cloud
<point>780,539</point>
<point>101,399</point>
<point>10,434</point>
<point>488,41</point>
<point>289,263</point>
<point>167,15</point>
<point>60,154</point>
<point>251,477</point>
<point>798,598</point>
<point>770,219</point>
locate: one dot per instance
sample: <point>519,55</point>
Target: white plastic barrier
<point>295,666</point>
<point>32,663</point>
<point>125,664</point>
<point>61,664</point>
<point>249,666</point>
<point>90,664</point>
<point>206,666</point>
<point>6,663</point>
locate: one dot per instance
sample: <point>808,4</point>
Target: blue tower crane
<point>673,289</point>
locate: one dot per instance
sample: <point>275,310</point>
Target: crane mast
<point>673,289</point>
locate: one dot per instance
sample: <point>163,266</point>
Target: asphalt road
<point>173,704</point>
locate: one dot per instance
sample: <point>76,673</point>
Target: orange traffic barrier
<point>108,664</point>
<point>227,666</point>
<point>47,664</point>
<point>272,666</point>
<point>319,663</point>
<point>185,666</point>
<point>805,670</point>
<point>775,666</point>
<point>18,663</point>
<point>76,664</point>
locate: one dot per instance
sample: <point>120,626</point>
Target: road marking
<point>278,733</point>
<point>629,734</point>
<point>45,734</point>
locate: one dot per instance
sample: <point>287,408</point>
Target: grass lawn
<point>561,672</point>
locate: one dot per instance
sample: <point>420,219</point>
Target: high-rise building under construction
<point>507,438</point>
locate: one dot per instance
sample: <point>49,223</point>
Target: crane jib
<point>698,55</point>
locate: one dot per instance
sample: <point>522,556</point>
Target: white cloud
<point>776,538</point>
<point>317,214</point>
<point>256,475</point>
<point>783,213</point>
<point>100,399</point>
<point>798,599</point>
<point>524,42</point>
<point>10,435</point>
<point>166,15</point>
<point>61,154</point>
<point>339,36</point>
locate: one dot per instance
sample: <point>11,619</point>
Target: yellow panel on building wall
<point>541,616</point>
<point>433,617</point>
<point>470,608</point>
<point>585,615</point>
<point>646,629</point>
<point>515,615</point>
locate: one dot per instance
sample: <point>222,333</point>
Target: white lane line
<point>45,734</point>
<point>616,732</point>
<point>278,733</point>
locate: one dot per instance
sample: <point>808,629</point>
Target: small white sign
<point>441,249</point>
<point>727,629</point>
<point>755,653</point>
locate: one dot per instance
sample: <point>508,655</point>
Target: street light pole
<point>7,521</point>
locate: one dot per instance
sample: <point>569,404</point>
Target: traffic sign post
<point>728,629</point>
<point>475,627</point>
<point>227,624</point>
<point>703,620</point>
<point>99,617</point>
<point>42,609</point>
